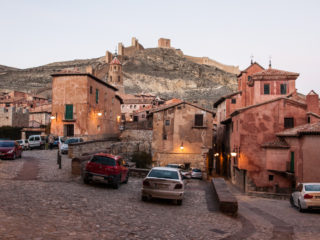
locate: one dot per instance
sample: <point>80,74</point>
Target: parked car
<point>23,143</point>
<point>163,182</point>
<point>306,196</point>
<point>10,149</point>
<point>196,173</point>
<point>184,173</point>
<point>106,168</point>
<point>64,146</point>
<point>37,141</point>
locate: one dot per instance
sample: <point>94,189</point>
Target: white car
<point>65,145</point>
<point>37,141</point>
<point>306,196</point>
<point>163,182</point>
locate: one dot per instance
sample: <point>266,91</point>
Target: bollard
<point>59,159</point>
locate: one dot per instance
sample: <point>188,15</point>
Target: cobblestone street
<point>39,201</point>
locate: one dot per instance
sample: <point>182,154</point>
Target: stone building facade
<point>83,105</point>
<point>14,117</point>
<point>182,133</point>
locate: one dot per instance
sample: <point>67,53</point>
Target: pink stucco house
<point>270,129</point>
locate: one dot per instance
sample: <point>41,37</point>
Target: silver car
<point>306,196</point>
<point>163,182</point>
<point>196,173</point>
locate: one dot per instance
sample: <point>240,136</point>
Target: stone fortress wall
<point>166,43</point>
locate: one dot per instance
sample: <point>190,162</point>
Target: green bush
<point>142,159</point>
<point>11,133</point>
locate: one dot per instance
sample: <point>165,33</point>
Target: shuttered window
<point>97,95</point>
<point>69,112</point>
<point>283,88</point>
<point>198,120</point>
<point>288,123</point>
<point>266,88</point>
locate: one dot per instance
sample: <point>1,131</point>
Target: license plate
<point>98,178</point>
<point>160,186</point>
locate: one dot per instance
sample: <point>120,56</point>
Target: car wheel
<point>179,202</point>
<point>86,179</point>
<point>116,183</point>
<point>291,201</point>
<point>127,178</point>
<point>300,208</point>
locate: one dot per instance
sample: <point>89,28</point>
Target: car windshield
<point>157,173</point>
<point>196,170</point>
<point>312,187</point>
<point>71,140</point>
<point>103,160</point>
<point>6,144</point>
<point>19,141</point>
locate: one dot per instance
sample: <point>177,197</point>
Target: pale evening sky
<point>37,32</point>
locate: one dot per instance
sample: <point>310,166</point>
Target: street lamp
<point>181,146</point>
<point>99,114</point>
<point>233,154</point>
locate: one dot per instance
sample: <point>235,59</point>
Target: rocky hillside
<point>166,73</point>
<point>163,72</point>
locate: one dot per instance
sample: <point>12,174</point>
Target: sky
<point>38,32</point>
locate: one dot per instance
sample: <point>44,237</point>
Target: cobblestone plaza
<point>39,201</point>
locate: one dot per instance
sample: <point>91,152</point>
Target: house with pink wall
<point>255,127</point>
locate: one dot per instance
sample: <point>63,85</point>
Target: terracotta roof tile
<point>307,129</point>
<point>278,143</point>
<point>274,74</point>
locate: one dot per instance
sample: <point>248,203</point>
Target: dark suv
<point>106,168</point>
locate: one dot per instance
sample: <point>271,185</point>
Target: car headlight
<point>11,151</point>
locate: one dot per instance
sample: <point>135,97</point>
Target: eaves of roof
<point>85,74</point>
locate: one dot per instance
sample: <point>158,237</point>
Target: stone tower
<point>115,76</point>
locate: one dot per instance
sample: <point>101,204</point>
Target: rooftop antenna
<point>269,61</point>
<point>251,59</point>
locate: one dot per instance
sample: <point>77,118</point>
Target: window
<point>164,137</point>
<point>123,117</point>
<point>266,88</point>
<point>270,177</point>
<point>283,88</point>
<point>233,101</point>
<point>308,119</point>
<point>198,120</point>
<point>97,95</point>
<point>249,78</point>
<point>110,78</point>
<point>167,123</point>
<point>69,112</point>
<point>90,89</point>
<point>292,162</point>
<point>288,123</point>
<point>135,118</point>
<point>118,78</point>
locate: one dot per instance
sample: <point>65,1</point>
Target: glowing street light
<point>99,114</point>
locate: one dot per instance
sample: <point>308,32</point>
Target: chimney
<point>312,100</point>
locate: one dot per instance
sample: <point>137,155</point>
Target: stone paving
<point>55,205</point>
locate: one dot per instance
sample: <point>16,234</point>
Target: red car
<point>106,168</point>
<point>10,149</point>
